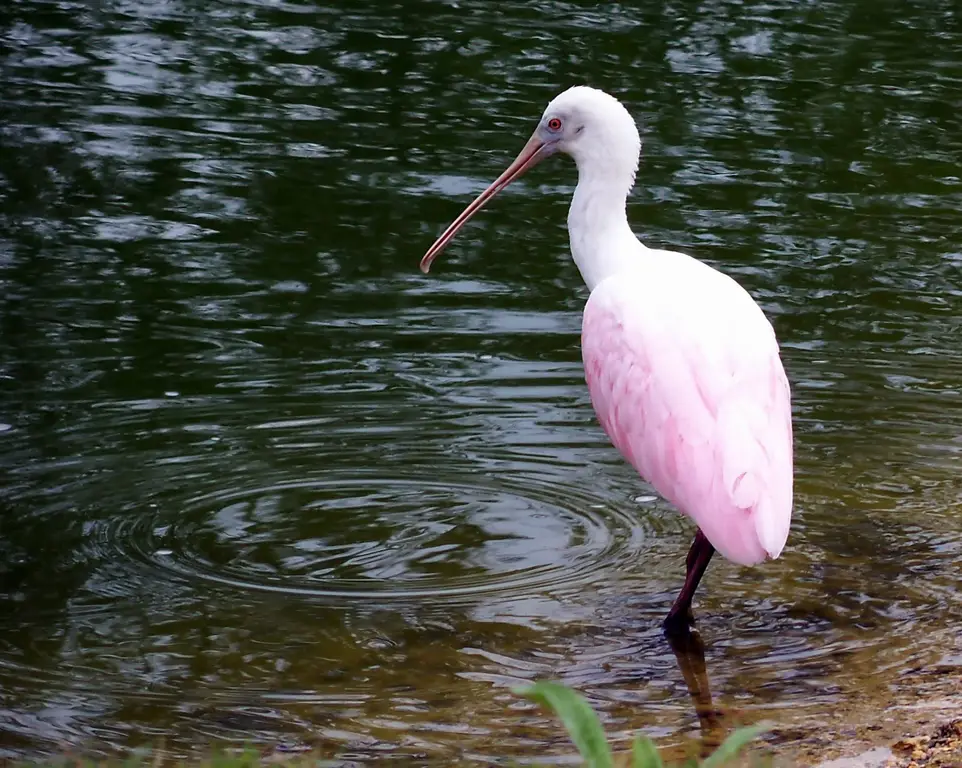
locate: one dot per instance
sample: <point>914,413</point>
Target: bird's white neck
<point>602,242</point>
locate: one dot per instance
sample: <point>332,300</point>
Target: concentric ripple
<point>374,537</point>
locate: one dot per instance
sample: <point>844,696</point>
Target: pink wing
<point>686,379</point>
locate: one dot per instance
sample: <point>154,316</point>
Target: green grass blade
<point>731,746</point>
<point>578,717</point>
<point>644,753</point>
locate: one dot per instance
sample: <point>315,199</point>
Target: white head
<point>596,130</point>
<point>588,124</point>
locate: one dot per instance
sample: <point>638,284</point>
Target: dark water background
<point>264,481</point>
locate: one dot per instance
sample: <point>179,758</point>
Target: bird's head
<point>586,123</point>
<point>591,126</point>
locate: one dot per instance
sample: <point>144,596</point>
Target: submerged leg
<point>680,616</point>
<point>690,652</point>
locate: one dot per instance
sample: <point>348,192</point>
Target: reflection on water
<point>264,481</point>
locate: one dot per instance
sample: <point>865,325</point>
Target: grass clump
<point>585,730</point>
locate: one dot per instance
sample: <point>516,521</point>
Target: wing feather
<point>692,391</point>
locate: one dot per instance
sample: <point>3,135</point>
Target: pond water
<point>263,481</point>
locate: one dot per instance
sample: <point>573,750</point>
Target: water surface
<point>264,481</point>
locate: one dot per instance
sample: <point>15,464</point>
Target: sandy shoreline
<point>920,733</point>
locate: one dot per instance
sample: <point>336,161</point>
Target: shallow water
<point>264,481</point>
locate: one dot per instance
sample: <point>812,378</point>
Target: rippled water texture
<point>264,481</point>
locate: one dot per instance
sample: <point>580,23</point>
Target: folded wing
<point>692,391</point>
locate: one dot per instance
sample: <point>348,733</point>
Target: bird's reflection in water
<point>689,650</point>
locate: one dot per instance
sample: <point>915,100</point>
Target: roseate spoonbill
<point>682,365</point>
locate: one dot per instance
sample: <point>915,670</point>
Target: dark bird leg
<point>680,615</point>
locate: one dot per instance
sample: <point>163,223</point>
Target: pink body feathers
<point>689,386</point>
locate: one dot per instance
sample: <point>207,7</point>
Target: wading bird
<point>682,366</point>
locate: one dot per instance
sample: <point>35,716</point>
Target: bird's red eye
<point>554,124</point>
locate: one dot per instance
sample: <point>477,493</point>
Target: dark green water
<point>264,481</point>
